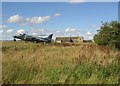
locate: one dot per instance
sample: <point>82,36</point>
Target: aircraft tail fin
<point>50,36</point>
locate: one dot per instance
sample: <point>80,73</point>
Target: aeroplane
<point>32,38</point>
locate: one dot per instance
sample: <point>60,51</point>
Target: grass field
<point>30,63</point>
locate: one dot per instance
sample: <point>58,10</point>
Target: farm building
<point>69,39</point>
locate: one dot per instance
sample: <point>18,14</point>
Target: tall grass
<point>30,63</point>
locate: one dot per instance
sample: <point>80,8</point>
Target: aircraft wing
<point>41,39</point>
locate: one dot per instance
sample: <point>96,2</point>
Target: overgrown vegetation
<point>29,63</point>
<point>109,34</point>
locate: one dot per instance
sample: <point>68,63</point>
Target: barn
<point>69,39</point>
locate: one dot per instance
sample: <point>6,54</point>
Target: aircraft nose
<point>14,36</point>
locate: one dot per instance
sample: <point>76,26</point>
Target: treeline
<point>109,34</point>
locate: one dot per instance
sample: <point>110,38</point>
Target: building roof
<point>59,38</point>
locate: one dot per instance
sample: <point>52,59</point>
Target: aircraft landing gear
<point>36,41</point>
<point>14,39</point>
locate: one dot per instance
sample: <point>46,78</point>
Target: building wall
<point>68,39</point>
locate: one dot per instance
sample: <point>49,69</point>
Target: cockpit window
<point>23,34</point>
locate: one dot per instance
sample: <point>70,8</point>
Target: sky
<point>60,0</point>
<point>59,18</point>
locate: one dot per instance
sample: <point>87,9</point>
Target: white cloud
<point>57,14</point>
<point>1,31</point>
<point>81,1</point>
<point>70,30</point>
<point>90,37</point>
<point>2,26</point>
<point>77,1</point>
<point>36,20</point>
<point>39,34</point>
<point>9,31</point>
<point>21,31</point>
<point>28,21</point>
<point>57,31</point>
<point>15,19</point>
<point>41,30</point>
<point>35,34</point>
<point>46,18</point>
<point>88,33</point>
<point>37,31</point>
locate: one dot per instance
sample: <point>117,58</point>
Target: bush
<point>109,34</point>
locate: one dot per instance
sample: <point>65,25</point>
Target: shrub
<point>109,34</point>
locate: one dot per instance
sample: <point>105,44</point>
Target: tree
<point>109,34</point>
